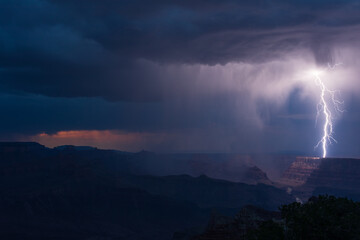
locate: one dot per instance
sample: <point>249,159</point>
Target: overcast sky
<point>179,75</point>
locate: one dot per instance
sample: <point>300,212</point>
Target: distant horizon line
<point>281,153</point>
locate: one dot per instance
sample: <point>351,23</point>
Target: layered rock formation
<point>300,170</point>
<point>313,172</point>
<point>313,176</point>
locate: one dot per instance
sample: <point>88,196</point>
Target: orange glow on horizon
<point>105,139</point>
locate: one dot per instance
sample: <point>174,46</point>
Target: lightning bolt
<point>328,100</point>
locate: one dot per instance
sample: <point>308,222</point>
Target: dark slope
<point>211,193</point>
<point>81,211</point>
<point>87,193</point>
<point>230,167</point>
<point>71,194</point>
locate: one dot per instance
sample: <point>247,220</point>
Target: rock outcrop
<point>255,175</point>
<point>312,176</point>
<point>300,170</point>
<point>310,172</point>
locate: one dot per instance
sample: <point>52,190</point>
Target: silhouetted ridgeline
<point>7,147</point>
<point>87,193</point>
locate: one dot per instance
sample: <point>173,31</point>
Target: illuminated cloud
<point>105,139</point>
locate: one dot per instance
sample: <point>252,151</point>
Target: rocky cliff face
<point>300,170</point>
<point>255,175</point>
<point>341,173</point>
<point>313,176</point>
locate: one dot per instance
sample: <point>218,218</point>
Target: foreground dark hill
<point>87,193</point>
<point>84,212</point>
<point>322,217</point>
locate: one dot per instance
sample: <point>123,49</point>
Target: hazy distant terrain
<point>232,167</point>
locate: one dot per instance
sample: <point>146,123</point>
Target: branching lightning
<point>328,101</point>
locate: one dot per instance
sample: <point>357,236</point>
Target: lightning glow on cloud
<point>328,101</point>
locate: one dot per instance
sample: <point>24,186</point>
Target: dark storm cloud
<point>77,48</point>
<point>32,114</point>
<point>205,74</point>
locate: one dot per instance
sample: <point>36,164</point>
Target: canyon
<point>313,176</point>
